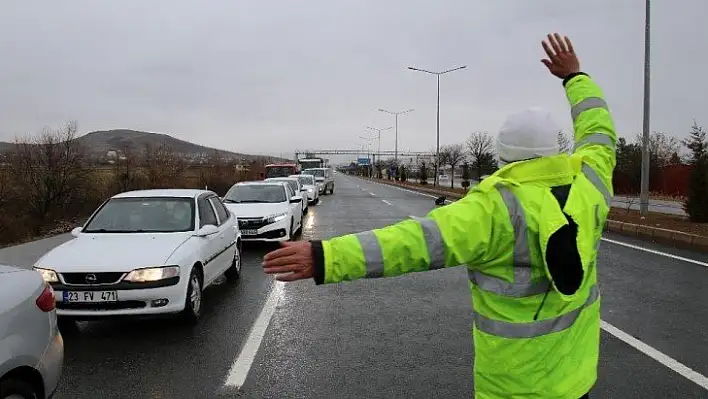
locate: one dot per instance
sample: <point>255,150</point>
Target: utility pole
<point>644,190</point>
<point>396,115</point>
<point>437,145</point>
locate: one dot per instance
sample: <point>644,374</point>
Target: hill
<point>99,143</point>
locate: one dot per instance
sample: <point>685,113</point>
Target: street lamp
<point>377,130</point>
<point>396,114</point>
<point>437,151</point>
<point>644,188</point>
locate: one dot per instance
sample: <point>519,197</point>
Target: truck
<point>309,163</point>
<point>281,170</point>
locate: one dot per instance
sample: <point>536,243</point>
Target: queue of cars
<point>153,252</point>
<point>141,253</point>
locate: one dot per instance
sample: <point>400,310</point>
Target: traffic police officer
<point>528,235</point>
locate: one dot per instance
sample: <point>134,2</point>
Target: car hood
<point>112,252</point>
<point>256,210</point>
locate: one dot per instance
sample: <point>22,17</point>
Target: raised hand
<point>562,60</point>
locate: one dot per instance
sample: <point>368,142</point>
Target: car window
<point>206,213</point>
<point>220,210</point>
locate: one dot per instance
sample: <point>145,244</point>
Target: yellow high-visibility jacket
<point>529,236</point>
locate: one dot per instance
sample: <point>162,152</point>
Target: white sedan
<point>310,187</point>
<point>144,253</point>
<point>266,211</point>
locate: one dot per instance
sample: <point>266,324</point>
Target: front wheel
<point>291,230</point>
<point>193,299</point>
<point>16,389</point>
<point>233,273</point>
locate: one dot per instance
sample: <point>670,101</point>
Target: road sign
<point>364,161</point>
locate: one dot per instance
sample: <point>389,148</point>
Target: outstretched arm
<point>460,233</point>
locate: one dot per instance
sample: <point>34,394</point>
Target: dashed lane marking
<point>386,202</point>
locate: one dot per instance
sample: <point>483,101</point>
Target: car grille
<point>91,278</point>
<point>251,223</point>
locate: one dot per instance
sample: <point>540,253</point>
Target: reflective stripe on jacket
<point>531,262</point>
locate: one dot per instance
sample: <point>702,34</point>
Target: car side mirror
<point>76,231</point>
<point>295,199</point>
<point>206,230</point>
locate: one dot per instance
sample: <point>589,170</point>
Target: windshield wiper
<point>231,201</point>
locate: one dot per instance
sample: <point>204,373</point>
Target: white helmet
<point>527,134</point>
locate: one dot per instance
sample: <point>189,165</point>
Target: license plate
<point>90,296</point>
<point>249,232</point>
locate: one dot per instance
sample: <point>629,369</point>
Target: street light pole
<point>437,129</point>
<point>378,131</point>
<point>396,114</point>
<point>644,188</point>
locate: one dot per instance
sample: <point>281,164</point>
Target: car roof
<point>167,192</point>
<point>261,183</point>
<point>280,178</point>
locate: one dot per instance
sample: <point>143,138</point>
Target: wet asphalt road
<point>401,337</point>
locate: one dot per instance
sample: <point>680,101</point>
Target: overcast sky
<point>271,76</point>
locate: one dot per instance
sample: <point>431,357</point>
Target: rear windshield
<point>314,172</point>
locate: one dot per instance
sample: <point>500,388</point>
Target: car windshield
<point>143,215</point>
<point>255,193</point>
<point>314,172</point>
<point>305,180</point>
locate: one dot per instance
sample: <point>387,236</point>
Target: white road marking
<point>660,357</point>
<point>653,251</point>
<point>242,364</point>
<point>372,194</point>
<point>386,202</point>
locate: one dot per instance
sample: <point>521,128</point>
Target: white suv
<point>323,177</point>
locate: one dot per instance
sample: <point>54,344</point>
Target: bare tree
<point>565,144</point>
<point>661,147</point>
<point>454,156</point>
<point>49,171</point>
<point>218,174</point>
<point>163,167</point>
<point>126,168</point>
<point>481,148</point>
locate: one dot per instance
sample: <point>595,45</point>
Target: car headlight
<point>152,274</point>
<point>309,190</point>
<point>276,218</point>
<point>48,275</point>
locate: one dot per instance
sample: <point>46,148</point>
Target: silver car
<point>31,346</point>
